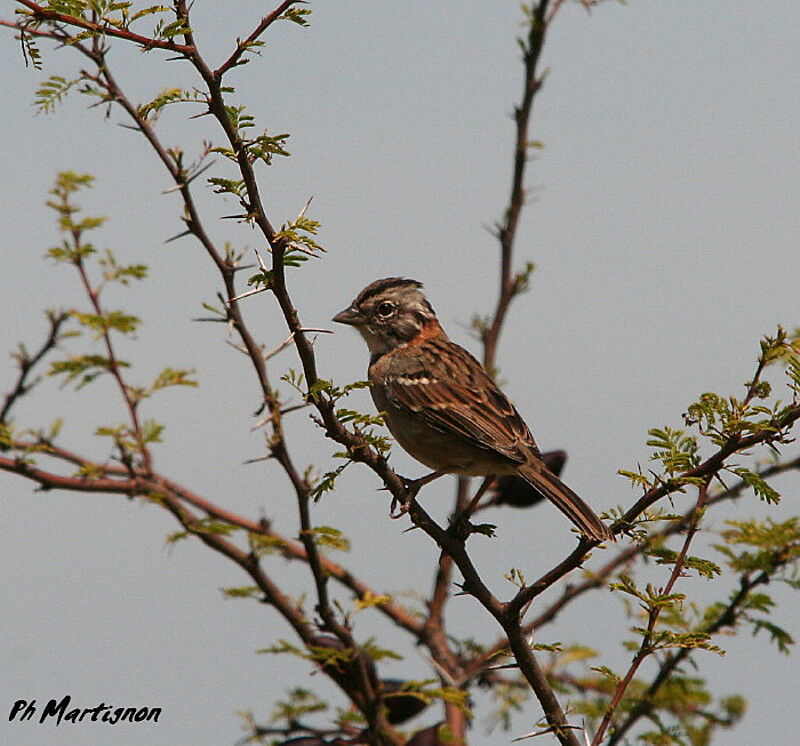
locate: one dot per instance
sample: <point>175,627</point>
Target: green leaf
<point>52,92</point>
<point>555,647</point>
<point>704,567</point>
<point>327,536</point>
<point>211,526</point>
<point>173,377</point>
<point>300,703</point>
<point>636,478</point>
<point>777,634</point>
<point>352,416</point>
<point>166,31</point>
<point>90,472</point>
<point>30,51</point>
<point>149,11</point>
<point>85,367</point>
<point>264,147</point>
<point>756,482</point>
<point>297,15</point>
<point>262,545</point>
<point>151,431</point>
<point>369,600</point>
<point>328,481</point>
<point>606,672</point>
<point>110,320</point>
<point>245,591</point>
<point>678,451</point>
<point>371,650</point>
<point>113,272</point>
<point>236,187</point>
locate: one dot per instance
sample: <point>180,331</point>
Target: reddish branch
<point>131,403</point>
<point>41,14</point>
<point>727,618</point>
<point>646,647</point>
<point>451,541</point>
<point>116,480</point>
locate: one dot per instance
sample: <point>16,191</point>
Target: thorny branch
<point>41,14</point>
<point>133,481</point>
<point>673,660</point>
<point>597,578</point>
<point>645,648</point>
<point>27,362</point>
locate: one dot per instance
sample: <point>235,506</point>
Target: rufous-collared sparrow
<point>441,405</point>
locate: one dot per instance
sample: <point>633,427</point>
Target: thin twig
<point>242,46</point>
<point>28,362</point>
<point>654,612</point>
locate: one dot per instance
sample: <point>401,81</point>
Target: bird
<point>441,405</point>
<point>515,492</point>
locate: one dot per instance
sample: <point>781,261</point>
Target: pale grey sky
<point>665,236</point>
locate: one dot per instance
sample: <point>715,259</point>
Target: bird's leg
<point>463,515</point>
<point>413,486</point>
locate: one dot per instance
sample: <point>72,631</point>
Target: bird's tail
<point>540,477</point>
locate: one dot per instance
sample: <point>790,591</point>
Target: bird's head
<point>389,313</point>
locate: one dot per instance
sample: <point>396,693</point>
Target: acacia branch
<point>507,232</point>
<point>243,46</point>
<point>775,431</point>
<point>27,363</point>
<point>729,617</point>
<point>114,484</point>
<point>600,576</point>
<point>131,404</point>
<point>490,336</point>
<point>654,612</point>
<point>40,14</point>
<point>256,211</point>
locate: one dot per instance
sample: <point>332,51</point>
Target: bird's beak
<point>349,316</point>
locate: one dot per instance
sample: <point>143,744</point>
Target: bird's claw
<point>398,508</point>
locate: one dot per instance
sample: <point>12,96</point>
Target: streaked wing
<point>454,394</point>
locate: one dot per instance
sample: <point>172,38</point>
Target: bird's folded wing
<point>481,413</point>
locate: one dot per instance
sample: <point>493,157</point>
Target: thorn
<point>501,666</point>
<point>187,232</point>
<point>256,460</point>
<point>295,407</point>
<point>294,246</point>
<point>445,674</point>
<point>235,346</point>
<point>263,421</point>
<point>302,212</point>
<point>282,346</point>
<point>199,171</point>
<point>261,265</point>
<point>256,291</point>
<point>305,329</point>
<point>240,267</point>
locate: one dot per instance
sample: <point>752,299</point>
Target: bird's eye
<point>385,309</point>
